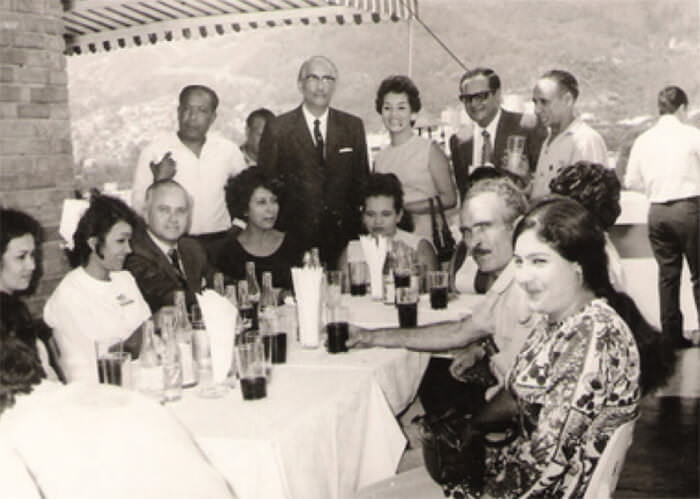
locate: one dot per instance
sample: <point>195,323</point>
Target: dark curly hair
<point>573,232</point>
<point>398,84</point>
<point>596,187</point>
<point>103,213</point>
<point>20,370</point>
<point>14,224</point>
<point>240,188</point>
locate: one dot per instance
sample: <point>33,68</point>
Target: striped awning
<point>94,25</point>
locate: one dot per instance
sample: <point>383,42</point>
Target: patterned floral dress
<point>575,382</point>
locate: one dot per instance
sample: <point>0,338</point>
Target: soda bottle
<point>183,334</point>
<point>150,378</point>
<point>172,368</point>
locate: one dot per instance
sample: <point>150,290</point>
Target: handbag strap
<point>442,210</point>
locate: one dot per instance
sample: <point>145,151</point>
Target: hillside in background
<point>622,52</point>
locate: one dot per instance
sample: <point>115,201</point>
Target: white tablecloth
<point>320,433</point>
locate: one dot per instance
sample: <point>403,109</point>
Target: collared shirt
<point>203,177</point>
<point>665,161</point>
<point>505,313</point>
<point>164,247</point>
<point>477,148</point>
<point>323,125</point>
<point>575,143</point>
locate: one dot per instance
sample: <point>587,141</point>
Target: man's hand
<point>358,337</point>
<point>465,359</point>
<point>165,169</point>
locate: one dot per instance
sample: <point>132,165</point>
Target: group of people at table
<point>570,362</point>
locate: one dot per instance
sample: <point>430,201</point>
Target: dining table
<point>327,426</point>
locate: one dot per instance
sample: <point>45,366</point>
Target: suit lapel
<point>502,131</point>
<point>333,132</point>
<point>148,249</point>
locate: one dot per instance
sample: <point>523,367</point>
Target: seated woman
<point>97,300</point>
<point>419,163</point>
<point>382,209</point>
<point>577,377</point>
<point>597,188</point>
<point>86,440</point>
<point>19,235</point>
<point>252,196</point>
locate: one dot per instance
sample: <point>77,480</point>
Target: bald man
<point>320,155</point>
<point>163,260</point>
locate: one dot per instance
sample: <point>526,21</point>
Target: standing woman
<point>97,300</point>
<point>19,235</point>
<point>419,163</point>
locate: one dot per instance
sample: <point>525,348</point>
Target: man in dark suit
<point>480,92</point>
<point>163,259</point>
<point>320,155</point>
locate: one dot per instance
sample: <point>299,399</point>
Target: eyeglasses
<point>477,98</point>
<point>327,79</point>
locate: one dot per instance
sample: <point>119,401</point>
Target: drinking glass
<point>273,337</point>
<point>437,284</point>
<point>407,306</point>
<point>337,329</point>
<point>515,149</point>
<point>250,359</point>
<point>113,363</point>
<point>359,272</point>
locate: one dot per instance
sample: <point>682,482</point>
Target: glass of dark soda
<point>337,329</point>
<point>250,361</point>
<point>437,284</point>
<point>359,274</point>
<point>407,306</point>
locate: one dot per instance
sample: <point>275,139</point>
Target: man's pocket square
<point>345,149</point>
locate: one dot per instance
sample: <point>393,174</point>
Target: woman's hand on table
<point>359,337</point>
<point>465,359</point>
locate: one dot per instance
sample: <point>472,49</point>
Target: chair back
<point>607,471</point>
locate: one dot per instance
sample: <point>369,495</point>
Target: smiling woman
<point>97,300</point>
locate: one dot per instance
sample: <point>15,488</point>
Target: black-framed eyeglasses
<point>327,79</point>
<point>477,98</point>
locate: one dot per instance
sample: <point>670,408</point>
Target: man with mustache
<point>163,259</point>
<point>489,213</point>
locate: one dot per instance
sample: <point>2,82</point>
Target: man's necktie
<point>318,138</point>
<point>175,260</point>
<point>486,150</point>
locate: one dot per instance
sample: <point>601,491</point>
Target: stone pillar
<point>36,162</point>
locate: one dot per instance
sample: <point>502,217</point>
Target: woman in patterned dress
<point>576,379</point>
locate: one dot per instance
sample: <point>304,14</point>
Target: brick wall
<point>36,162</point>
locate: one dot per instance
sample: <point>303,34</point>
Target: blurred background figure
<point>254,126</point>
<point>97,300</point>
<point>420,164</point>
<point>252,196</point>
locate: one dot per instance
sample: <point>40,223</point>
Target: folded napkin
<point>73,209</point>
<point>220,321</point>
<point>307,288</point>
<point>374,249</point>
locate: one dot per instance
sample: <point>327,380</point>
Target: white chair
<point>607,471</point>
<point>411,484</point>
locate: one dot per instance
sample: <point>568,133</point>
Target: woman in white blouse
<point>97,300</point>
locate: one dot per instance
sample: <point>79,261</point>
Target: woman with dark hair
<point>419,163</point>
<point>254,126</point>
<point>252,196</point>
<point>382,209</point>
<point>578,376</point>
<point>97,300</point>
<point>597,188</point>
<point>19,237</point>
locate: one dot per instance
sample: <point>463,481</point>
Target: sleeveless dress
<point>409,162</point>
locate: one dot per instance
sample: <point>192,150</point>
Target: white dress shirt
<point>577,142</point>
<point>323,125</point>
<point>478,142</point>
<point>665,161</point>
<point>203,177</point>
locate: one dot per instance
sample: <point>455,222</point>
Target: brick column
<point>36,162</point>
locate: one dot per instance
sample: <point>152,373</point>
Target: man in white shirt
<point>665,164</point>
<point>569,139</point>
<point>200,161</point>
